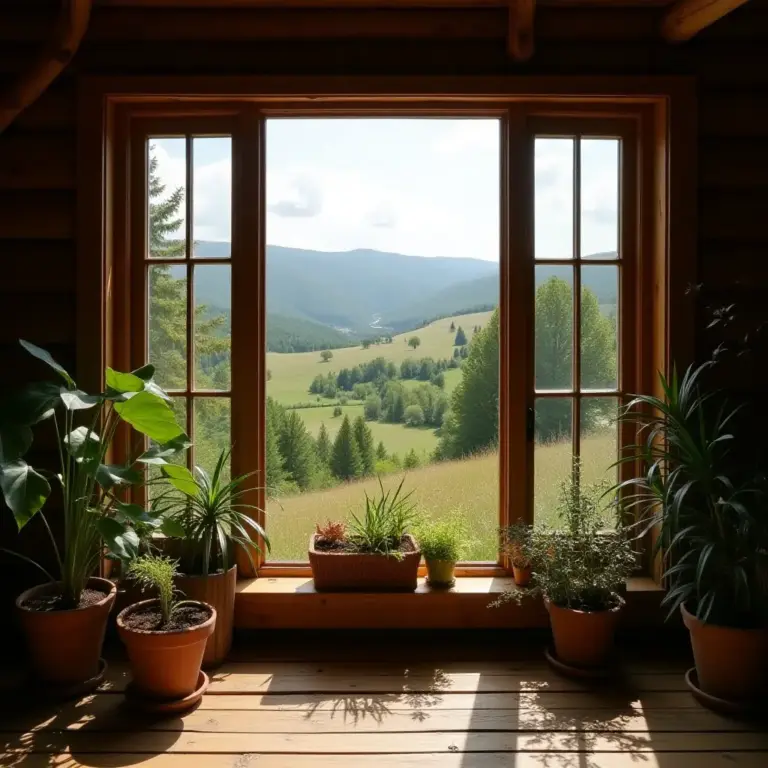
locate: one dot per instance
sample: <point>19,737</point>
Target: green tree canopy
<point>365,446</point>
<point>323,446</point>
<point>461,338</point>
<point>414,342</point>
<point>345,459</point>
<point>297,449</point>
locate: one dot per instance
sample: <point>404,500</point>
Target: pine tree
<point>274,462</point>
<point>345,459</point>
<point>365,446</point>
<point>461,338</point>
<point>381,451</point>
<point>297,449</point>
<point>453,326</point>
<point>323,447</point>
<point>411,460</point>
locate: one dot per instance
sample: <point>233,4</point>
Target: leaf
<point>181,478</point>
<point>33,404</point>
<point>121,541</point>
<point>24,489</point>
<point>134,512</point>
<point>41,354</point>
<point>83,445</point>
<point>123,382</point>
<point>77,400</point>
<point>15,441</point>
<point>110,475</point>
<point>145,373</point>
<point>170,526</point>
<point>149,414</point>
<point>155,389</point>
<point>157,454</point>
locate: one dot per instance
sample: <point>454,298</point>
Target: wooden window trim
<point>663,107</point>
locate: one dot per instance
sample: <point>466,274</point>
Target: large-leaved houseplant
<point>89,493</point>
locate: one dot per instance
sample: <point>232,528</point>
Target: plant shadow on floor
<point>94,730</point>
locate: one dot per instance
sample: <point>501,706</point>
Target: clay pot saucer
<point>167,706</point>
<point>578,673</point>
<point>743,710</point>
<point>53,692</point>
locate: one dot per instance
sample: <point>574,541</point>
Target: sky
<point>415,186</point>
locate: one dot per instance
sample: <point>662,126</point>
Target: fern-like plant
<point>446,538</point>
<point>154,573</point>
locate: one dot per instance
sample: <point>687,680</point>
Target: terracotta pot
<point>217,590</point>
<point>731,664</point>
<point>522,575</point>
<point>165,665</point>
<point>440,572</point>
<point>65,646</point>
<point>583,638</point>
<point>351,571</point>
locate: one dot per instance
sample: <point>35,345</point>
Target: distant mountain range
<point>317,292</point>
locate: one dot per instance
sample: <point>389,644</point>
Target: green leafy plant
<point>157,574</point>
<point>387,518</point>
<point>91,489</point>
<point>581,565</point>
<point>446,538</point>
<point>710,513</point>
<point>517,543</point>
<point>209,516</point>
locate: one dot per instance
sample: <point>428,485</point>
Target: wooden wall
<point>38,169</point>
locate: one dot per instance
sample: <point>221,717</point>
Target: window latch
<point>530,424</point>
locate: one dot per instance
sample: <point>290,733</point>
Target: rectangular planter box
<point>353,572</point>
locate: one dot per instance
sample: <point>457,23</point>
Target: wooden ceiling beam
<point>69,31</point>
<point>520,29</point>
<point>687,18</point>
<point>372,3</point>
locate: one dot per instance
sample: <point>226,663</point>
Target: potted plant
<point>443,542</point>
<point>210,518</point>
<point>580,570</point>
<point>708,507</point>
<point>376,552</point>
<point>516,540</point>
<point>73,608</point>
<point>165,638</point>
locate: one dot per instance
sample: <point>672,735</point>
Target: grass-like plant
<point>446,538</point>
<point>209,516</point>
<point>705,500</point>
<point>94,512</point>
<point>581,565</point>
<point>156,574</point>
<point>517,543</point>
<point>387,518</point>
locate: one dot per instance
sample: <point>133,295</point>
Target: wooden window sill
<point>293,603</point>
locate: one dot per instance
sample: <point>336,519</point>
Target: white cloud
<point>303,199</point>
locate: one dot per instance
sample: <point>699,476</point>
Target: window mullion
<point>576,353</point>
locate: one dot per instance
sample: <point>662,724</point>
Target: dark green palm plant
<point>712,520</point>
<point>387,518</point>
<point>95,513</point>
<point>209,516</point>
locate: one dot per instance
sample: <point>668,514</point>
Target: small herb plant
<point>154,573</point>
<point>445,539</point>
<point>386,520</point>
<point>332,531</point>
<point>209,516</point>
<point>517,543</point>
<point>581,565</point>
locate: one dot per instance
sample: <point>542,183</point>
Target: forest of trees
<point>466,422</point>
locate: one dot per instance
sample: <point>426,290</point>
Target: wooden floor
<point>309,712</point>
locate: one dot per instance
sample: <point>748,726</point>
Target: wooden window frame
<point>662,111</point>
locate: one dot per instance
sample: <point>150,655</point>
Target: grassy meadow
<point>471,485</point>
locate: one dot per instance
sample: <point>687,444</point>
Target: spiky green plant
<point>387,518</point>
<point>710,513</point>
<point>210,516</point>
<point>156,574</point>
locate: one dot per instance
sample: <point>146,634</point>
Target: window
<point>305,276</point>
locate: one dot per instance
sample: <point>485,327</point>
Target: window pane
<point>212,431</point>
<point>167,342</point>
<point>392,343</point>
<point>552,455</point>
<point>553,212</point>
<point>213,327</point>
<point>554,327</point>
<point>600,198</point>
<point>599,439</point>
<point>167,176</point>
<point>212,197</point>
<point>599,327</point>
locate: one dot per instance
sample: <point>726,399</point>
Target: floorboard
<point>471,713</point>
